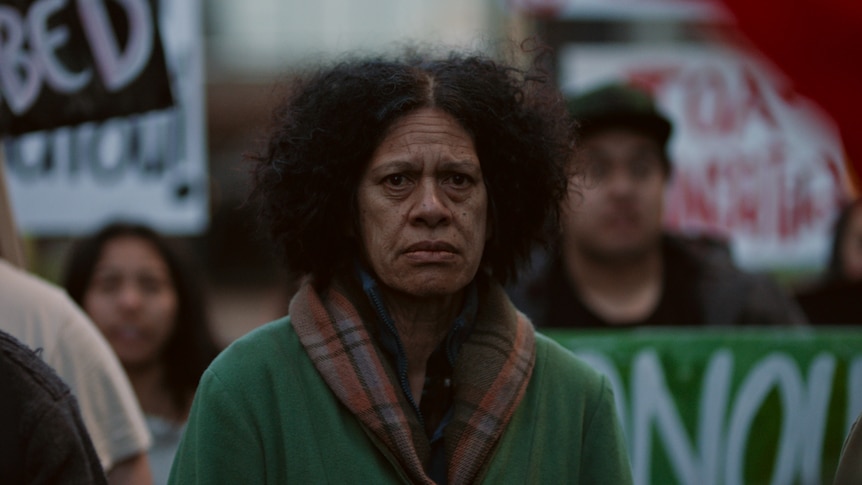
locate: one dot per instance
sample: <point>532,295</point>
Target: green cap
<point>619,105</point>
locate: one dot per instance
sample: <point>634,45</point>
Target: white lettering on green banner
<point>730,406</point>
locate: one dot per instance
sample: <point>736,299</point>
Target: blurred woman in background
<point>834,299</point>
<point>845,261</point>
<point>139,294</point>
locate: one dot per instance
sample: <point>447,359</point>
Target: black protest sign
<point>64,62</point>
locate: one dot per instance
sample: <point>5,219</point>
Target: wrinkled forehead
<point>422,135</point>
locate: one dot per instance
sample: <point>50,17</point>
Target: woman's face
<point>851,247</point>
<point>132,300</point>
<point>423,206</point>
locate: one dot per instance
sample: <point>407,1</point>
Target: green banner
<point>731,405</point>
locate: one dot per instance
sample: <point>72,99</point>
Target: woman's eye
<point>108,284</point>
<point>460,180</point>
<point>396,180</point>
<point>150,285</point>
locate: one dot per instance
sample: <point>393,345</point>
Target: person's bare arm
<point>134,470</point>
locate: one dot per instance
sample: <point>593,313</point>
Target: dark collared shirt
<point>435,408</point>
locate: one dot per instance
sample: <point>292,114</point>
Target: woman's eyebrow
<point>463,165</point>
<point>394,166</point>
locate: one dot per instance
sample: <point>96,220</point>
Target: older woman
<point>407,190</point>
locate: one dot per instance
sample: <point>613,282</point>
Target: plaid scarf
<point>490,376</point>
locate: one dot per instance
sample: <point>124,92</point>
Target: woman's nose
<point>430,208</point>
<point>130,297</point>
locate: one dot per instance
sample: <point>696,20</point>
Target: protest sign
<point>730,406</point>
<point>621,9</point>
<point>64,62</point>
<point>149,167</point>
<point>753,161</point>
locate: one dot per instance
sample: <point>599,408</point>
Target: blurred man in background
<point>615,265</point>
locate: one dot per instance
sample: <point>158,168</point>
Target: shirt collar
<point>389,338</point>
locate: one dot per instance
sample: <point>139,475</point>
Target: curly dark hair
<point>326,129</point>
<point>191,347</point>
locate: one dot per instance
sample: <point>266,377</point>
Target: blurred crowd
<point>123,346</point>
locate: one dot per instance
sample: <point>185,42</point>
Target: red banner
<point>817,45</point>
<point>753,160</point>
